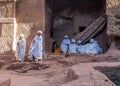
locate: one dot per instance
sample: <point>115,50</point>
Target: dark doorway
<point>67,17</point>
<point>81,28</point>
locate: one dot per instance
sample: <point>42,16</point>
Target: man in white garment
<point>92,48</point>
<point>35,52</point>
<point>21,49</point>
<point>65,44</point>
<point>99,49</point>
<point>79,46</point>
<point>73,47</point>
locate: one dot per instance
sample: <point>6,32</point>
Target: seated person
<point>65,44</point>
<point>92,48</point>
<point>72,47</point>
<point>79,46</point>
<point>99,49</point>
<point>84,48</point>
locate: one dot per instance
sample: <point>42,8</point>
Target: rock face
<point>19,17</point>
<point>86,75</point>
<point>5,81</point>
<point>113,17</point>
<point>33,15</point>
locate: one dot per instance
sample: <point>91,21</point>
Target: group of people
<point>68,46</point>
<point>73,47</point>
<point>35,51</point>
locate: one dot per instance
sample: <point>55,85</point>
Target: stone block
<point>5,81</point>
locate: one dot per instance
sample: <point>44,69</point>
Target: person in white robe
<point>36,48</point>
<point>79,46</point>
<point>21,49</point>
<point>65,44</point>
<point>92,48</point>
<point>99,49</point>
<point>84,48</point>
<point>73,47</point>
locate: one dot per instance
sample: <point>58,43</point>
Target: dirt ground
<point>51,72</point>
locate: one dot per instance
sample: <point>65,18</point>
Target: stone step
<point>5,81</point>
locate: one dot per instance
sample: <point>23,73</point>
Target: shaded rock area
<point>113,73</point>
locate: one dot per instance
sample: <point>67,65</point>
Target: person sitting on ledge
<point>73,47</point>
<point>65,44</point>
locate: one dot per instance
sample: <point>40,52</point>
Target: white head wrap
<point>39,31</point>
<point>79,41</point>
<point>66,36</point>
<point>73,40</point>
<point>22,35</point>
<point>92,40</point>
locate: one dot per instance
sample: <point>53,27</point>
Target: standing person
<point>79,46</point>
<point>73,47</point>
<point>35,52</point>
<point>65,44</point>
<point>21,49</point>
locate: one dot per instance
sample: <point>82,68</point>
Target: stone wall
<point>7,14</point>
<point>34,15</point>
<point>30,18</point>
<point>113,12</point>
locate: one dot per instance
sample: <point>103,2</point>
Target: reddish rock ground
<point>53,71</point>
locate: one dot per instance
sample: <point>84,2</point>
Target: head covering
<point>92,40</point>
<point>22,35</point>
<point>39,31</point>
<point>66,36</point>
<point>73,40</point>
<point>96,42</point>
<point>79,41</point>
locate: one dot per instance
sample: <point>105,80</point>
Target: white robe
<point>72,48</point>
<point>65,45</point>
<point>99,49</point>
<point>20,50</point>
<point>84,48</point>
<point>36,48</point>
<point>79,48</point>
<point>92,49</point>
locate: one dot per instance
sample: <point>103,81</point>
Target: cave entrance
<point>72,17</point>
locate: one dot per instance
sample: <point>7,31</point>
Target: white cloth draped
<point>72,48</point>
<point>92,49</point>
<point>36,48</point>
<point>20,50</point>
<point>79,48</point>
<point>65,45</point>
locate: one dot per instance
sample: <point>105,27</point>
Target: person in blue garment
<point>73,47</point>
<point>65,44</point>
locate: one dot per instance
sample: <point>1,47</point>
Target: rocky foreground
<point>77,70</point>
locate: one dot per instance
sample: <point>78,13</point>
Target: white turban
<point>22,35</point>
<point>79,41</point>
<point>73,40</point>
<point>39,31</point>
<point>92,40</point>
<point>66,36</point>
